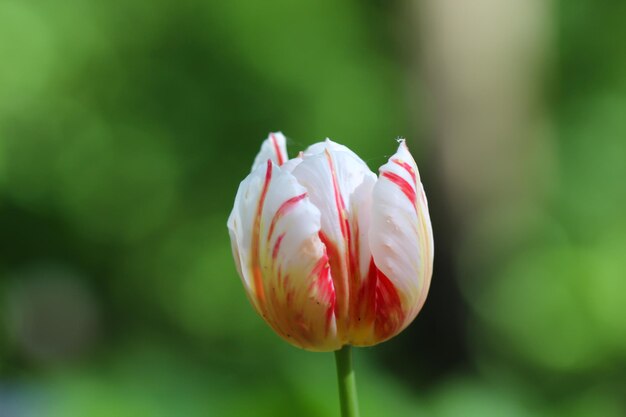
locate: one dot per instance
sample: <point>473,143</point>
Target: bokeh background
<point>126,126</point>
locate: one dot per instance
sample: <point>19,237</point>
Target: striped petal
<point>320,147</point>
<point>283,264</point>
<point>331,176</point>
<point>364,281</point>
<point>401,242</point>
<point>273,148</point>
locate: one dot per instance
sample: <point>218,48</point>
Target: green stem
<point>347,383</point>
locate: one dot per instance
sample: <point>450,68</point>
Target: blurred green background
<point>126,127</point>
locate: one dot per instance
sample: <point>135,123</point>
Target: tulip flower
<point>330,255</point>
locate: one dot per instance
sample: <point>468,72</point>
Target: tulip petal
<point>290,165</point>
<point>283,263</point>
<point>273,148</point>
<point>320,147</point>
<point>401,242</point>
<point>363,283</point>
<point>360,219</point>
<point>331,176</point>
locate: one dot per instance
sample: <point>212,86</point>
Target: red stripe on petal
<point>256,230</point>
<point>322,284</point>
<point>389,313</point>
<point>279,155</point>
<point>343,264</point>
<point>323,287</point>
<point>339,203</point>
<point>277,246</point>
<point>282,210</point>
<point>367,295</point>
<point>334,261</point>
<point>407,167</point>
<point>406,188</point>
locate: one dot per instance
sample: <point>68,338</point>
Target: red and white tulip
<point>329,254</point>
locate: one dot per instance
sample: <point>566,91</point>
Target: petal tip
<point>273,147</point>
<point>402,143</point>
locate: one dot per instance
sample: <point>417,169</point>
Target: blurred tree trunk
<point>483,63</point>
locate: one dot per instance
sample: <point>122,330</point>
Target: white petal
<point>283,263</point>
<point>360,218</point>
<point>331,178</point>
<point>320,147</point>
<point>273,148</point>
<point>401,237</point>
<point>290,165</point>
